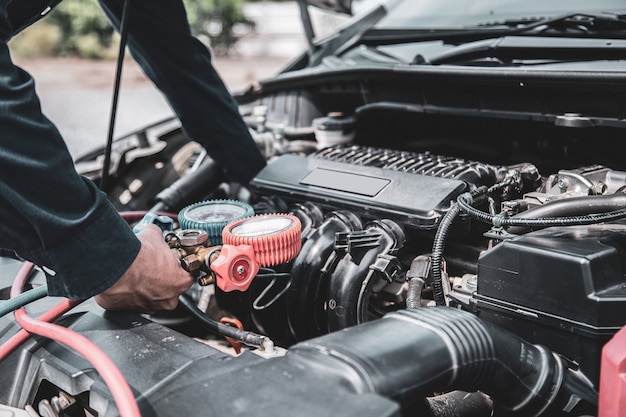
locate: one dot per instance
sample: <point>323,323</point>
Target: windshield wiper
<point>608,25</point>
<point>512,49</point>
<point>584,23</point>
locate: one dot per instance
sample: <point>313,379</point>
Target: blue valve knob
<point>165,223</point>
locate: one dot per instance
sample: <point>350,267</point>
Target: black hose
<point>412,353</point>
<point>106,166</point>
<point>414,293</point>
<point>465,202</point>
<point>574,206</point>
<point>191,187</point>
<point>221,329</point>
<point>439,244</point>
<point>416,277</point>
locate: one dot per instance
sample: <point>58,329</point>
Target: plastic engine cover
<point>414,200</point>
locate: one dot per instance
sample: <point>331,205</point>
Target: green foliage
<point>80,28</point>
<point>41,40</point>
<point>216,20</point>
<point>85,30</point>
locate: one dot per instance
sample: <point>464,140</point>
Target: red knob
<point>235,267</point>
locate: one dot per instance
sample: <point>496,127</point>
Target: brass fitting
<point>191,263</point>
<point>190,247</point>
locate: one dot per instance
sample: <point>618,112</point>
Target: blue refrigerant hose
<point>23,299</point>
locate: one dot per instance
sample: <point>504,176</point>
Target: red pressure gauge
<point>262,240</point>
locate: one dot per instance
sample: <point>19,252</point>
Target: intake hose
<point>410,354</point>
<point>574,206</point>
<point>350,271</point>
<point>189,188</point>
<point>304,293</point>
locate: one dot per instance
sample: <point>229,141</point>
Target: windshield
<point>466,13</point>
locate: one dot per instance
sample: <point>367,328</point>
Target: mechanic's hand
<point>154,280</point>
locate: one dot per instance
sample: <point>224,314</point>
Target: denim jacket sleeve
<point>49,214</point>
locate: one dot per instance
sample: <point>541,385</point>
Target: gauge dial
<point>213,215</point>
<point>274,237</point>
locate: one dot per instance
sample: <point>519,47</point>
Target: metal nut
<point>191,263</point>
<point>192,237</point>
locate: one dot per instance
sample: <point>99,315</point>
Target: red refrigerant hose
<point>117,384</point>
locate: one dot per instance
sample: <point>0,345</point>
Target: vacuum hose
<point>466,201</point>
<point>574,206</point>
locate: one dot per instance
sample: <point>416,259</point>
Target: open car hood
<point>339,6</point>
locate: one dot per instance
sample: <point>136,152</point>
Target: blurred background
<point>72,54</point>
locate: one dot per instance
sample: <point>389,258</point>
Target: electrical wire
<point>439,244</point>
<point>114,379</point>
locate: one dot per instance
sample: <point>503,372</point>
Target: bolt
<point>562,184</point>
<point>240,270</point>
<point>598,188</point>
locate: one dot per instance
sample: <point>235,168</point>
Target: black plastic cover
<point>415,200</point>
<point>562,287</point>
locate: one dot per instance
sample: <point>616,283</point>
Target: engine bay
<point>443,265</point>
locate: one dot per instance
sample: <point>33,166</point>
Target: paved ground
<point>76,94</point>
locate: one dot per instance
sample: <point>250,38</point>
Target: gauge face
<point>211,213</point>
<point>262,226</point>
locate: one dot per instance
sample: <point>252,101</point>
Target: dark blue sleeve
<point>161,42</point>
<point>49,214</point>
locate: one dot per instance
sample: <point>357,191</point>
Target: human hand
<point>154,280</point>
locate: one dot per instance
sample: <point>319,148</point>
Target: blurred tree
<point>80,28</point>
<point>85,30</point>
<point>217,21</point>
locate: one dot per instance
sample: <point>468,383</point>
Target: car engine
<point>388,261</point>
